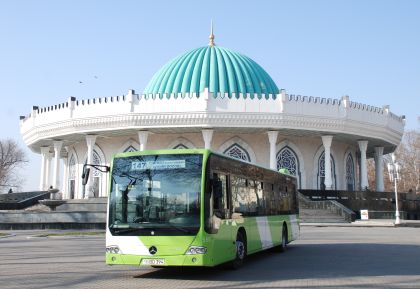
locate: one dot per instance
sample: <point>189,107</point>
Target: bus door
<point>223,246</point>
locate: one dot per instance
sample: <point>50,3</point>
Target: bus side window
<point>220,204</point>
<point>262,207</point>
<point>239,195</point>
<point>268,197</point>
<point>252,198</point>
<point>295,201</point>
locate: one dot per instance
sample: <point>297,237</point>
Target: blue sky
<point>369,50</point>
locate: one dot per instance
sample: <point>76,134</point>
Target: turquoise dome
<point>219,69</point>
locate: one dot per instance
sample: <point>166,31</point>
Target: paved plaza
<point>324,257</point>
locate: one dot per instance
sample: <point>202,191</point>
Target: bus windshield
<point>155,195</point>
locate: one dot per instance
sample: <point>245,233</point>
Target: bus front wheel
<point>240,251</point>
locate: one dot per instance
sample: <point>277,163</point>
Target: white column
<point>272,138</point>
<point>207,137</point>
<point>56,172</point>
<point>143,135</point>
<point>379,174</point>
<point>64,188</point>
<point>363,164</point>
<point>326,142</point>
<point>44,152</point>
<point>90,141</point>
<point>359,173</point>
<point>48,158</point>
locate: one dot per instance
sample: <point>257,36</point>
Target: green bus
<point>195,207</point>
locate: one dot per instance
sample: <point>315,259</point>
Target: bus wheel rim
<point>240,249</point>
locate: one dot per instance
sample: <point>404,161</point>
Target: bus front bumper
<point>161,261</point>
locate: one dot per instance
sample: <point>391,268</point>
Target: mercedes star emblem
<point>152,250</point>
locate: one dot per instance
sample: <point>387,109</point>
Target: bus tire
<point>284,239</point>
<point>240,251</point>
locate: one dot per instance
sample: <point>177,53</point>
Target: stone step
<point>327,220</point>
<point>27,220</point>
<point>316,211</point>
<point>319,216</point>
<point>103,200</point>
<point>88,205</point>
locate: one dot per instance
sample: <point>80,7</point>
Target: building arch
<point>319,165</point>
<point>291,147</point>
<point>181,143</point>
<point>237,152</point>
<point>129,146</point>
<point>99,179</point>
<point>240,146</point>
<point>349,171</point>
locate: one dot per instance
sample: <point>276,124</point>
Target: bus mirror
<point>217,188</point>
<point>85,176</point>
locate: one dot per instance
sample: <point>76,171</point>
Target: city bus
<point>195,207</point>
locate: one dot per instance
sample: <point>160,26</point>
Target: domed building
<point>212,97</point>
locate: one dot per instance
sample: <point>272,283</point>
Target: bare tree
<point>11,159</point>
<point>408,155</point>
<point>371,174</point>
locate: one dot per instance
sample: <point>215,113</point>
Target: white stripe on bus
<point>265,233</point>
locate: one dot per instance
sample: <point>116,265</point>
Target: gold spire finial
<point>211,37</point>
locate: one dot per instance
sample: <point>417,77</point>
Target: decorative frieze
<point>292,112</point>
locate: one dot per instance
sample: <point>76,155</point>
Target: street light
<point>394,176</point>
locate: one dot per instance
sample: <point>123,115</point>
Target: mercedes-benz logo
<point>152,250</point>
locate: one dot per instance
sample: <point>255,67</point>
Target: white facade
<point>288,131</point>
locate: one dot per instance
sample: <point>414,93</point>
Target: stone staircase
<point>323,211</point>
<point>319,216</point>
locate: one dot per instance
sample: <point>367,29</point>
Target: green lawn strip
<point>3,235</point>
<point>71,234</point>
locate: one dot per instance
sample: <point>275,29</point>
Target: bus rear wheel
<point>284,240</point>
<point>240,252</point>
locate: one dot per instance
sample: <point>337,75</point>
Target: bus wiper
<point>125,230</point>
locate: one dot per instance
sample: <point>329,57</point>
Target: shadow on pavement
<point>309,261</point>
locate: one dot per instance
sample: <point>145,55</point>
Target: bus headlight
<point>113,249</point>
<point>192,250</point>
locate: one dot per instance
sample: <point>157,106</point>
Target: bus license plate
<point>153,262</point>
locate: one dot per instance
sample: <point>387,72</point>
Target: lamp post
<point>394,176</point>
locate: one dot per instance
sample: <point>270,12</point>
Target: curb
<point>364,225</point>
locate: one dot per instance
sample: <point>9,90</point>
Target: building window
<point>130,149</point>
<point>286,158</point>
<point>180,147</point>
<point>321,172</point>
<point>72,177</point>
<point>349,173</point>
<point>237,152</point>
<point>96,174</point>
